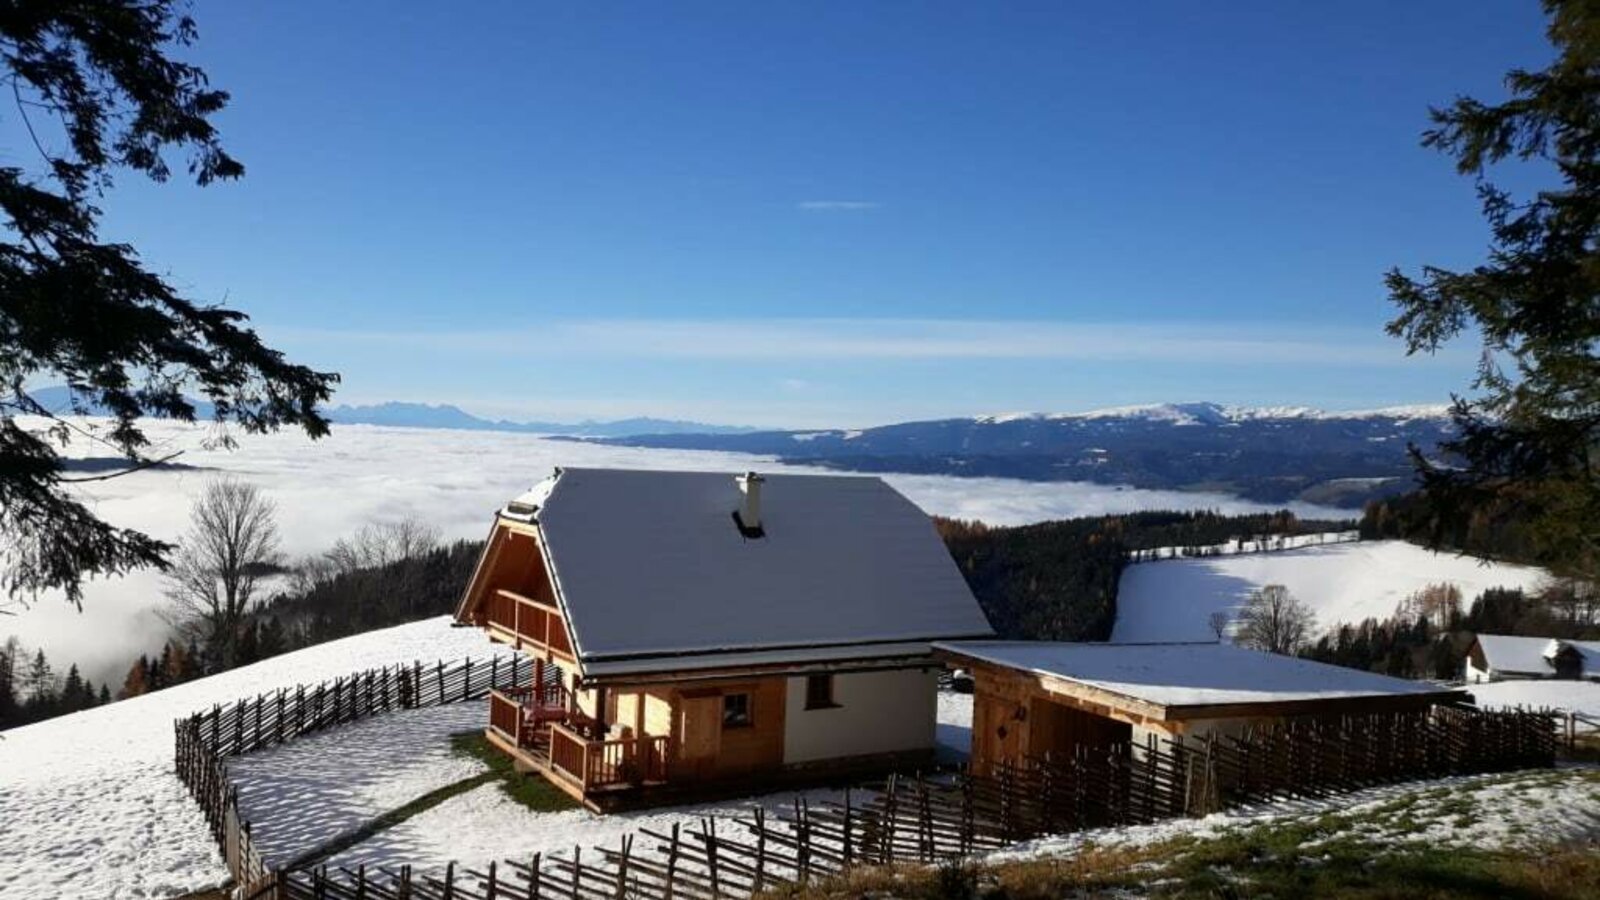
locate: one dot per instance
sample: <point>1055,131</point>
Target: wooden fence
<point>926,820</point>
<point>206,739</point>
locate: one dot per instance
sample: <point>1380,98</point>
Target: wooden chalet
<point>1507,657</point>
<point>699,633</point>
<point>1033,699</point>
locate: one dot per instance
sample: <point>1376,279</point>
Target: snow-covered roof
<point>1532,655</point>
<point>1187,675</point>
<point>649,563</point>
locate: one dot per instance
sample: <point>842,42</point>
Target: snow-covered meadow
<point>328,489</point>
<point>1172,600</point>
<point>1581,697</point>
<point>90,806</point>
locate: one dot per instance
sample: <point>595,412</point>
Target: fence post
<point>761,849</point>
<point>672,862</point>
<point>847,825</point>
<point>534,874</point>
<point>622,867</point>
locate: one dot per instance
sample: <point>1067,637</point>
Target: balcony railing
<point>601,764</point>
<point>518,712</point>
<point>532,621</point>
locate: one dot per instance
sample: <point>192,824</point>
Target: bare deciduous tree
<point>1221,621</point>
<point>1275,620</point>
<point>378,544</point>
<point>232,543</point>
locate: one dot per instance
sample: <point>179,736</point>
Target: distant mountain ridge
<point>1272,454</point>
<point>1203,413</point>
<point>424,415</point>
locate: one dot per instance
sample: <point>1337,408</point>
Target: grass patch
<point>529,790</point>
<point>387,821</point>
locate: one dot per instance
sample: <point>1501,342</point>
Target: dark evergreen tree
<point>10,703</point>
<point>1530,438</point>
<point>72,690</point>
<point>86,311</point>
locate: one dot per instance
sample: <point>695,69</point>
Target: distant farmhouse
<point>1505,657</point>
<point>1035,699</point>
<point>697,632</point>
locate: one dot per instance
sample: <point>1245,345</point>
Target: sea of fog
<point>327,489</point>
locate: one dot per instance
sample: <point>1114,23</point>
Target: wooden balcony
<point>602,765</point>
<point>525,622</point>
<point>542,734</point>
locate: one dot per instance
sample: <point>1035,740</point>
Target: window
<point>736,711</point>
<point>819,692</point>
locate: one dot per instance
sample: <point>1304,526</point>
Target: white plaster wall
<point>877,712</point>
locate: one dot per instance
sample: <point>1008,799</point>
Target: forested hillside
<point>1058,580</point>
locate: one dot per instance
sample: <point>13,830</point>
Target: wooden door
<point>701,732</point>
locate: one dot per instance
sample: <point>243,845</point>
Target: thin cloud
<point>837,205</point>
<point>906,339</point>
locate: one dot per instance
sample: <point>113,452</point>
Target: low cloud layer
<point>454,479</point>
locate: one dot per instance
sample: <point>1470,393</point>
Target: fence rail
<point>925,820</point>
<point>206,739</point>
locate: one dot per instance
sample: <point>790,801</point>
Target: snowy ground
<point>1172,600</point>
<point>308,792</point>
<point>1582,697</point>
<point>484,824</point>
<point>303,794</point>
<point>1515,810</point>
<point>90,807</point>
<point>954,732</point>
<point>452,479</point>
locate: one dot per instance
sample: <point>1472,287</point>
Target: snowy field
<point>455,480</point>
<point>89,804</point>
<point>309,791</point>
<point>1172,600</point>
<point>1581,697</point>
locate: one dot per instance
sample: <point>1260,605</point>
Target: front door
<point>702,735</point>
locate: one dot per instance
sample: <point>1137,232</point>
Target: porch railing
<point>518,711</point>
<point>599,764</point>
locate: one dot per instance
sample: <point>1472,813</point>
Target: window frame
<point>749,718</point>
<point>827,701</point>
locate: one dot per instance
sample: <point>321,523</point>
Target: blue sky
<point>838,213</point>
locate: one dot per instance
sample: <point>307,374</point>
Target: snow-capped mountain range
<point>1203,413</point>
<point>1269,454</point>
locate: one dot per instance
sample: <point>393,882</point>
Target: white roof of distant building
<point>652,563</point>
<point>1184,675</point>
<point>1521,655</point>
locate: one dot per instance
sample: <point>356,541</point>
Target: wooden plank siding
<point>711,750</point>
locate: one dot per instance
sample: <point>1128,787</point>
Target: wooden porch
<point>543,730</point>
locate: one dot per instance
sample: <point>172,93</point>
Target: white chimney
<point>750,509</point>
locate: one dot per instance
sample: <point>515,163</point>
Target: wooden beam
<point>1318,706</point>
<point>745,673</point>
